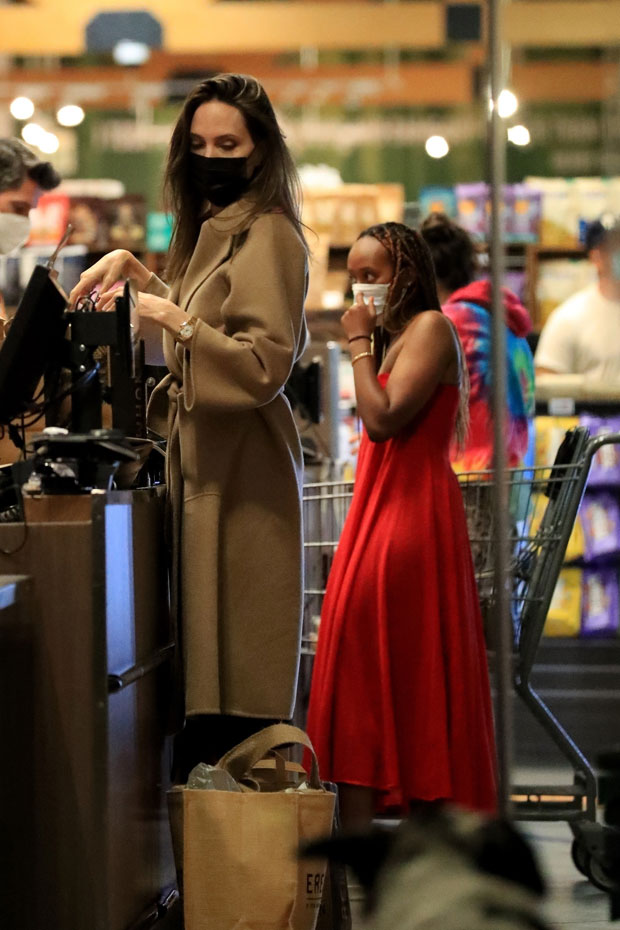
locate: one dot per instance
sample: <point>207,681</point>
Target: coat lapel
<point>214,246</point>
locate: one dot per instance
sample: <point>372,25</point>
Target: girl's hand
<point>360,319</point>
<point>107,271</point>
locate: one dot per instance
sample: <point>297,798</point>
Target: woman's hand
<point>107,271</point>
<point>360,319</point>
<point>158,311</point>
<point>151,313</point>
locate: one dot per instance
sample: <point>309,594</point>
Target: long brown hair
<point>275,186</point>
<point>413,290</point>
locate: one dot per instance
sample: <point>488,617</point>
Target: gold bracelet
<point>356,358</point>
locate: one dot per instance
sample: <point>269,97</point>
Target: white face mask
<point>378,292</point>
<point>14,231</point>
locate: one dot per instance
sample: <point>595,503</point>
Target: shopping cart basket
<point>543,504</point>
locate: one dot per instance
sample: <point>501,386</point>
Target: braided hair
<point>413,290</point>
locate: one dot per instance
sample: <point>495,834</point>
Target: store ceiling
<point>200,36</point>
<point>58,27</point>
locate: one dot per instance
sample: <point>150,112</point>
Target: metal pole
<point>502,622</point>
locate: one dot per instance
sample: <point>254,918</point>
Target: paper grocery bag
<point>241,869</point>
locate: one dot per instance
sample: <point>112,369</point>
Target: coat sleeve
<point>156,286</point>
<point>245,364</point>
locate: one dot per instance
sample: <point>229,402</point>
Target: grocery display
<point>586,601</point>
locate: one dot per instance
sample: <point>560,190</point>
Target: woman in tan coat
<point>233,326</point>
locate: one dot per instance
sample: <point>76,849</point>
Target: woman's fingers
<point>107,301</point>
<point>104,274</point>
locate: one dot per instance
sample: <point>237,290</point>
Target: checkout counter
<point>84,683</point>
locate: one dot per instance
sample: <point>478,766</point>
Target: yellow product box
<point>564,617</point>
<point>575,548</point>
<point>550,432</point>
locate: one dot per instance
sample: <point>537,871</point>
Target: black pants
<point>206,737</point>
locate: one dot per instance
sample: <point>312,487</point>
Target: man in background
<point>582,335</point>
<point>23,177</point>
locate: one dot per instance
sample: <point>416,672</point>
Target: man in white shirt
<point>582,335</point>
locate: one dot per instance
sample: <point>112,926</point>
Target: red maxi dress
<point>400,697</point>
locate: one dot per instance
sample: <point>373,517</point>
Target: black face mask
<point>221,181</point>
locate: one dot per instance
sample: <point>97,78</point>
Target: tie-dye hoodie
<point>469,308</point>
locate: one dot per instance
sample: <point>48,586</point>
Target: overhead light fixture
<point>519,135</point>
<point>130,53</point>
<point>507,104</point>
<point>22,108</point>
<point>436,146</point>
<point>49,144</point>
<point>70,115</point>
<point>32,133</point>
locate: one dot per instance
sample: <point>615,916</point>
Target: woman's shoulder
<point>428,324</point>
<point>276,228</point>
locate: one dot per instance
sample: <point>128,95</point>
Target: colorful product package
<point>471,202</point>
<point>599,611</point>
<point>525,216</point>
<point>564,617</point>
<point>600,516</point>
<point>576,544</point>
<point>438,199</point>
<point>559,221</point>
<point>606,463</point>
<point>550,432</point>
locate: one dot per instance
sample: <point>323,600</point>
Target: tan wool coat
<point>234,464</point>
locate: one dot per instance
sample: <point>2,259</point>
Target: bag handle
<point>239,760</point>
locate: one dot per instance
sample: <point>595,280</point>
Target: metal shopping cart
<point>543,504</point>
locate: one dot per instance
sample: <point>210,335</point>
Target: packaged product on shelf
<point>564,617</point>
<point>89,219</point>
<point>575,547</point>
<point>471,200</point>
<point>525,215</point>
<point>559,224</point>
<point>438,199</point>
<point>158,231</point>
<point>550,432</point>
<point>599,611</point>
<point>606,463</point>
<point>600,516</point>
<point>126,222</point>
<point>49,219</point>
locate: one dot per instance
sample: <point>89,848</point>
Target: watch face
<point>186,330</point>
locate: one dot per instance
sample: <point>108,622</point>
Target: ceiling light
<point>22,108</point>
<point>436,147</point>
<point>507,104</point>
<point>70,115</point>
<point>128,52</point>
<point>32,133</point>
<point>49,143</point>
<point>519,135</point>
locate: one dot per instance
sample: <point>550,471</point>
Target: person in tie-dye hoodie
<point>467,302</point>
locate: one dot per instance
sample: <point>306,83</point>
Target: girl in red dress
<point>400,706</point>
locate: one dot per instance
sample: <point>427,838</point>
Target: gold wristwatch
<point>186,330</point>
